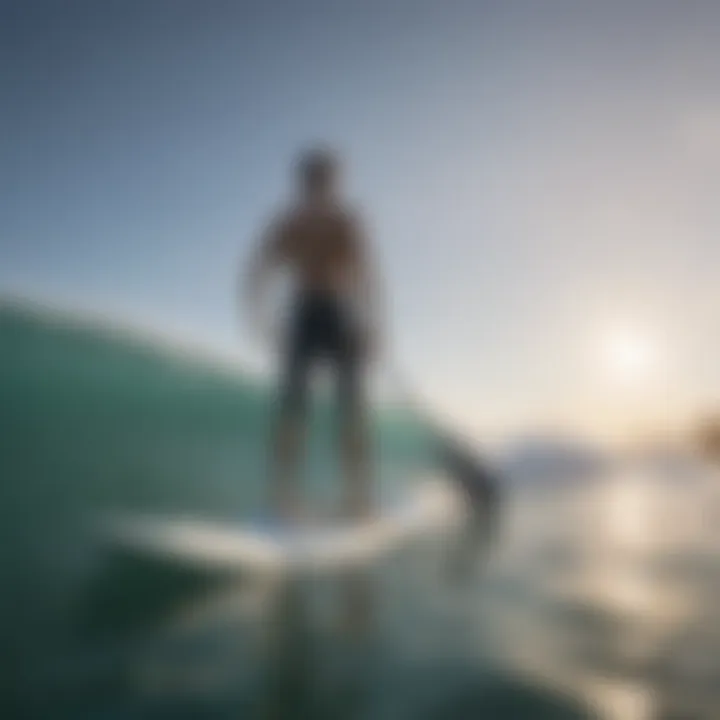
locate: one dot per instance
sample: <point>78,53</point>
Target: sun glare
<point>628,355</point>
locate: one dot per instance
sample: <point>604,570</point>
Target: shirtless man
<point>332,317</point>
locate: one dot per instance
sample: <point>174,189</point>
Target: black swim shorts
<point>321,327</point>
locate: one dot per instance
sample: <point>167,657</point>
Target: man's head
<point>318,170</point>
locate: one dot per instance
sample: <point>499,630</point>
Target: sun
<point>628,355</point>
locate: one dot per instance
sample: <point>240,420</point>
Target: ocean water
<point>600,598</point>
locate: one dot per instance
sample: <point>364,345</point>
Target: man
<point>333,317</point>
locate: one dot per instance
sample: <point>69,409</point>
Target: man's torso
<point>320,246</point>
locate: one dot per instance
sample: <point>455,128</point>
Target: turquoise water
<point>596,595</point>
<point>96,420</point>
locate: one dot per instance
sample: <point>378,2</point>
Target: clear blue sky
<point>533,171</point>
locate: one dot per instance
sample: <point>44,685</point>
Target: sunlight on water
<point>600,604</point>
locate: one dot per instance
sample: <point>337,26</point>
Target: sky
<point>540,179</point>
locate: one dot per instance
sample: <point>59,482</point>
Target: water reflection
<point>605,597</point>
<point>601,602</point>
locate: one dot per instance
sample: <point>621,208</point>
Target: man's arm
<point>266,258</point>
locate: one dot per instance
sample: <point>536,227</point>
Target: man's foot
<point>285,513</point>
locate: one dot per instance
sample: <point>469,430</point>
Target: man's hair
<point>317,168</point>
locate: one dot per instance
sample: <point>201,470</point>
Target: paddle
<point>478,482</point>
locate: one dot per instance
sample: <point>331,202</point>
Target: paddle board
<point>277,546</point>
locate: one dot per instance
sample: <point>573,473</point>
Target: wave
<point>110,414</point>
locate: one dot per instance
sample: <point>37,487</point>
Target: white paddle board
<point>277,546</point>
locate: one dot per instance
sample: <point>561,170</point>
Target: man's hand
<point>258,323</point>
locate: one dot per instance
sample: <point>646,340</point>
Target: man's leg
<point>287,446</point>
<point>354,443</point>
<point>358,490</point>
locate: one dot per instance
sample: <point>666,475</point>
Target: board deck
<point>258,545</point>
